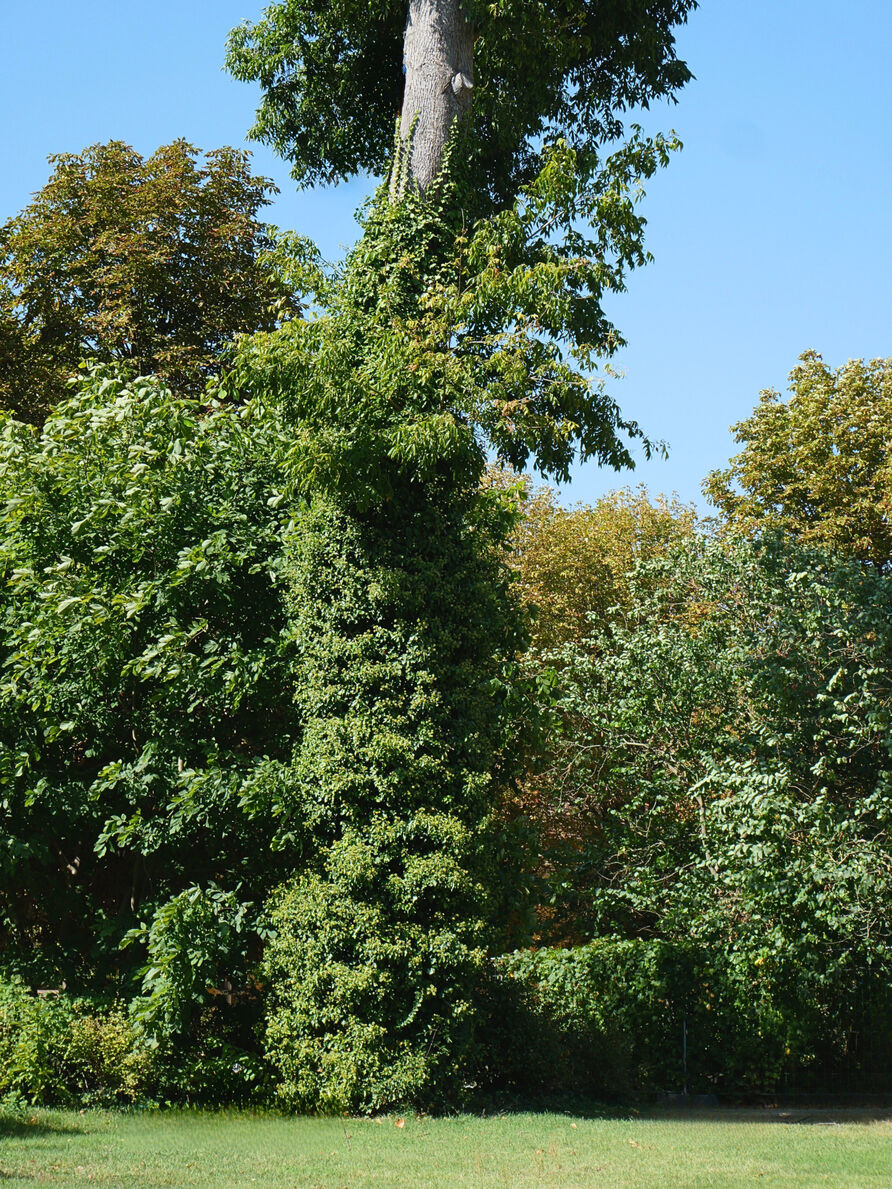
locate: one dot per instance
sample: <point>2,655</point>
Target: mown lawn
<point>224,1150</point>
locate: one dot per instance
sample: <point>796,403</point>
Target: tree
<point>155,264</point>
<point>333,83</point>
<point>145,742</point>
<point>468,317</point>
<point>726,751</point>
<point>538,222</point>
<point>818,466</point>
<point>573,564</point>
<point>576,570</point>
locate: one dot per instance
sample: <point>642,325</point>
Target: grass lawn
<point>845,1150</point>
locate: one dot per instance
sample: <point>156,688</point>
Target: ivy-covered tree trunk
<point>439,64</point>
<point>402,622</point>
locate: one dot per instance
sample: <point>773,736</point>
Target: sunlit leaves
<point>819,465</point>
<point>151,263</point>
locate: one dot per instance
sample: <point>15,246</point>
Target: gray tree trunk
<point>439,60</point>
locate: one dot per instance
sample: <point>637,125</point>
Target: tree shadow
<point>25,1125</point>
<point>696,1108</point>
<point>813,1116</point>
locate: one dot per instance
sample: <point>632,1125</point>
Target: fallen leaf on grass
<point>633,1143</point>
<point>400,1123</point>
<point>572,1124</point>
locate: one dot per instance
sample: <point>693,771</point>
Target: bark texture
<point>439,61</point>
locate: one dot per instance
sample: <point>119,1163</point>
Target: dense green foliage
<point>649,1015</point>
<point>57,1049</point>
<point>626,1015</point>
<point>154,264</point>
<point>819,465</point>
<point>144,736</point>
<point>402,639</point>
<point>320,697</point>
<point>260,753</point>
<point>404,636</point>
<point>265,731</point>
<point>332,81</point>
<point>725,748</point>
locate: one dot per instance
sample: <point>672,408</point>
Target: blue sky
<point>770,230</point>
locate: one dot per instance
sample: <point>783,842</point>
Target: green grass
<point>225,1150</point>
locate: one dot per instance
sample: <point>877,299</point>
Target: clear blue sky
<point>770,231</point>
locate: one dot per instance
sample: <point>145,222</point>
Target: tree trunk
<point>439,63</point>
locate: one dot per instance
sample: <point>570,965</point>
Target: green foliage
<point>726,750</point>
<point>152,264</point>
<point>403,631</point>
<point>193,942</point>
<point>374,969</point>
<point>431,345</point>
<point>818,466</point>
<point>332,81</point>
<point>144,738</point>
<point>603,1018</point>
<point>404,634</point>
<point>435,344</point>
<point>531,224</point>
<point>55,1049</point>
<point>633,1015</point>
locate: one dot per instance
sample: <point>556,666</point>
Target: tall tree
<point>468,317</point>
<point>333,81</point>
<point>154,264</point>
<point>542,221</point>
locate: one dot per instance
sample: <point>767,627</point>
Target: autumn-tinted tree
<point>152,263</point>
<point>574,563</point>
<point>817,466</point>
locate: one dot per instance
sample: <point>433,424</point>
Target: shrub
<point>55,1049</point>
<point>614,1017</point>
<point>144,736</point>
<point>725,753</point>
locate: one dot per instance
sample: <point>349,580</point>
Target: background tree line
<point>340,767</point>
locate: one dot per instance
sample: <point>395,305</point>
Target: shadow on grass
<point>694,1110</point>
<point>23,1125</point>
<point>800,1116</point>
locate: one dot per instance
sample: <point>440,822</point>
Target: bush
<point>144,736</point>
<point>373,969</point>
<point>620,1016</point>
<point>59,1050</point>
<point>724,757</point>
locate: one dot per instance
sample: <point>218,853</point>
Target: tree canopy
<point>819,465</point>
<point>153,263</point>
<point>572,565</point>
<point>332,81</point>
